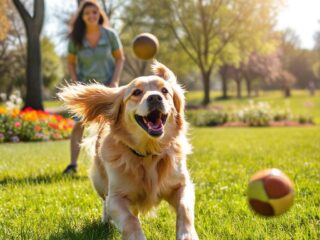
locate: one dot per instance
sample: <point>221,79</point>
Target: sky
<point>302,16</point>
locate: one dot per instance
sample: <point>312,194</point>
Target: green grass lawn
<point>36,202</point>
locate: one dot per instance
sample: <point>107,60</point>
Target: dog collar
<point>137,153</point>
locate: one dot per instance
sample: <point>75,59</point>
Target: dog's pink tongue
<point>155,126</point>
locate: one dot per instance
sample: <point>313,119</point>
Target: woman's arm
<point>119,59</point>
<point>71,60</point>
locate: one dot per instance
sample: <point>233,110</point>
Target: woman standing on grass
<point>94,53</point>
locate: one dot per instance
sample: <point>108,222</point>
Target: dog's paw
<point>188,236</point>
<point>137,235</point>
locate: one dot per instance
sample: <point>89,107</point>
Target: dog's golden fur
<point>137,165</point>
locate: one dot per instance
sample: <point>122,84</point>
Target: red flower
<point>58,117</point>
<point>37,128</point>
<point>53,125</point>
<point>27,109</point>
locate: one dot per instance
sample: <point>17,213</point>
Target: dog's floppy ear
<point>178,97</point>
<point>162,71</point>
<point>93,102</point>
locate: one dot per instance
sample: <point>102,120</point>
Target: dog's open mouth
<point>153,123</point>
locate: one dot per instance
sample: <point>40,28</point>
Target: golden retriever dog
<point>140,149</point>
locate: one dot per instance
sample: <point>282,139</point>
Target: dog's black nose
<point>155,98</point>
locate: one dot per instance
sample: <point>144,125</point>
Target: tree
<point>209,30</point>
<point>287,80</point>
<point>135,21</point>
<point>317,40</point>
<point>4,19</point>
<point>33,25</point>
<point>297,61</point>
<point>52,68</point>
<point>301,67</point>
<point>230,72</point>
<point>316,64</point>
<point>261,67</point>
<point>12,53</point>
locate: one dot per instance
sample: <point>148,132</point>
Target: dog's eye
<point>164,90</point>
<point>136,92</point>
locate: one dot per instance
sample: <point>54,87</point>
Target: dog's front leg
<point>183,202</point>
<point>128,224</point>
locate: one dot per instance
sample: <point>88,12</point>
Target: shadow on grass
<point>92,231</point>
<point>41,179</point>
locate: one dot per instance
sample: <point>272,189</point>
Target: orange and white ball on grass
<point>270,192</point>
<point>145,46</point>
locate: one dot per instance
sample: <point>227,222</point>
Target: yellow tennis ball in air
<point>270,192</point>
<point>145,46</point>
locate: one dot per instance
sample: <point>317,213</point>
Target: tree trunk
<point>33,25</point>
<point>248,83</point>
<point>312,88</point>
<point>287,92</point>
<point>238,83</point>
<point>206,87</point>
<point>257,92</point>
<point>224,87</point>
<point>224,80</point>
<point>34,74</point>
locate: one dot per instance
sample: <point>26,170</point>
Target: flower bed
<point>32,125</point>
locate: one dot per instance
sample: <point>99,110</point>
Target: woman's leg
<point>75,140</point>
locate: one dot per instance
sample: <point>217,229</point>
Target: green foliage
<point>282,115</point>
<point>52,68</point>
<point>207,118</point>
<point>37,202</point>
<point>256,115</point>
<point>305,119</point>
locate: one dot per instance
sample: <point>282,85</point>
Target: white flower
<point>3,96</point>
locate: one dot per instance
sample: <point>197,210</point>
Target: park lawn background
<point>37,202</point>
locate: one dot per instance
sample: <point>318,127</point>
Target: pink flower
<point>17,124</point>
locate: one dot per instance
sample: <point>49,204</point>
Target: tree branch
<point>22,10</point>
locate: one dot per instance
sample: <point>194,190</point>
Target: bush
<point>282,115</point>
<point>32,125</point>
<point>256,114</point>
<point>207,118</point>
<point>305,119</point>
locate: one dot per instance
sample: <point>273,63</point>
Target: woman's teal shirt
<point>96,63</point>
